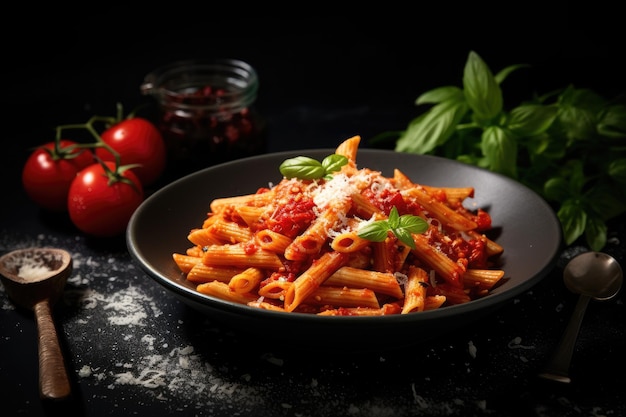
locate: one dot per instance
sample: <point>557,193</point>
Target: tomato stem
<point>120,111</point>
<point>89,127</point>
<point>68,152</point>
<point>114,176</point>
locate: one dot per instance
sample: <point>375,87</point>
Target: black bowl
<point>525,225</point>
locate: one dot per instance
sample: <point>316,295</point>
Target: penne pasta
<point>386,309</point>
<point>452,194</point>
<point>306,284</point>
<point>364,208</point>
<point>275,287</point>
<point>491,248</point>
<point>204,273</point>
<point>272,241</point>
<point>266,305</point>
<point>379,282</point>
<point>222,290</point>
<point>349,149</point>
<point>238,255</point>
<point>203,237</point>
<point>482,279</point>
<point>195,251</point>
<point>249,214</point>
<point>261,199</point>
<point>230,232</point>
<point>447,268</point>
<point>343,297</point>
<point>446,215</point>
<point>415,290</point>
<point>348,242</point>
<point>246,281</point>
<point>433,302</point>
<point>185,262</point>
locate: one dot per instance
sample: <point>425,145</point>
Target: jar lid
<point>210,85</point>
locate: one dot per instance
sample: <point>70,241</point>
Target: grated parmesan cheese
<point>340,187</point>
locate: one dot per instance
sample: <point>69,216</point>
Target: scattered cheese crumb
<point>472,349</point>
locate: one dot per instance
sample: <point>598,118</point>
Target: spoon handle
<point>53,379</point>
<point>558,367</point>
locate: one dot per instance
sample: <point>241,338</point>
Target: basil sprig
<point>305,168</point>
<point>400,226</point>
<point>569,146</point>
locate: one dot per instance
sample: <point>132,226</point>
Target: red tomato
<point>49,171</point>
<point>100,202</point>
<point>137,141</point>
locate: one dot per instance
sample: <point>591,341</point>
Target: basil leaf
<point>407,225</point>
<point>617,170</point>
<point>302,167</point>
<point>441,94</point>
<point>376,231</point>
<point>334,163</point>
<point>530,120</point>
<point>577,178</point>
<point>573,219</point>
<point>582,98</point>
<point>595,233</point>
<point>606,200</point>
<point>613,122</point>
<point>432,128</point>
<point>543,145</point>
<point>414,224</point>
<point>394,218</point>
<point>405,237</point>
<point>482,92</point>
<point>500,149</point>
<point>556,189</point>
<point>577,123</point>
<point>502,74</point>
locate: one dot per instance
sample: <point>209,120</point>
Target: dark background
<point>323,79</point>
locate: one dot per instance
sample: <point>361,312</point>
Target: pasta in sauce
<point>295,246</point>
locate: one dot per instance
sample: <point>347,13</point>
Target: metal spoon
<point>592,275</point>
<point>34,278</point>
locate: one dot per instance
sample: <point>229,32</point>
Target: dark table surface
<point>133,349</point>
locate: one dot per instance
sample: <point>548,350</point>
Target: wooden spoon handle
<point>53,380</point>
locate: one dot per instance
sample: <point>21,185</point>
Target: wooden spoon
<point>34,278</point>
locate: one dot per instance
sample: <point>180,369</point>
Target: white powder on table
<point>168,373</point>
<point>128,307</point>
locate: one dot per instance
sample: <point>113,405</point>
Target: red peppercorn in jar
<point>206,112</point>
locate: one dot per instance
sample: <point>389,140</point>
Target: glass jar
<point>207,112</point>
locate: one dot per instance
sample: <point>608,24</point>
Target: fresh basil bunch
<point>569,146</point>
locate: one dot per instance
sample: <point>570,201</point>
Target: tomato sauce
<point>292,218</point>
<point>387,199</point>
